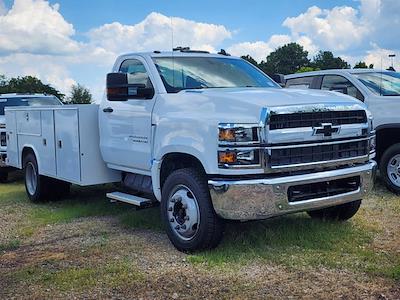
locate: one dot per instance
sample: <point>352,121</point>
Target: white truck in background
<point>380,91</point>
<point>209,136</point>
<point>17,99</point>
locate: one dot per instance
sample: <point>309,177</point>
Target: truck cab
<point>380,91</point>
<point>210,138</point>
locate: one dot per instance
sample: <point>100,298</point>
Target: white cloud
<point>337,29</point>
<point>47,68</point>
<point>155,33</point>
<point>34,26</point>
<point>380,58</point>
<point>259,50</point>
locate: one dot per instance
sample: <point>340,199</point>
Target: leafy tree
<point>307,69</point>
<point>286,60</point>
<point>27,84</point>
<point>3,80</point>
<point>79,95</point>
<point>250,59</point>
<point>361,65</point>
<point>325,60</point>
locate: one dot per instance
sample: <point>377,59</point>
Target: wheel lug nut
<point>186,218</point>
<point>170,208</point>
<point>173,200</point>
<point>172,220</point>
<point>183,226</point>
<point>177,227</point>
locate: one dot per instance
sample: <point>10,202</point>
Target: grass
<point>298,241</point>
<point>294,241</point>
<point>112,274</point>
<point>10,245</point>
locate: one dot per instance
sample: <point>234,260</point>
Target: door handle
<point>108,110</point>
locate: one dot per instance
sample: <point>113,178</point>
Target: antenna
<point>172,48</point>
<point>380,86</point>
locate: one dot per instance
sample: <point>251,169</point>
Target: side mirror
<point>279,79</point>
<point>341,88</point>
<point>118,88</point>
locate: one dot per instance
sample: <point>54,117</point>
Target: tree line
<point>30,84</point>
<point>292,58</point>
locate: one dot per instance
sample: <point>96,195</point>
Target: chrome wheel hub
<point>393,170</point>
<point>183,212</point>
<point>31,178</point>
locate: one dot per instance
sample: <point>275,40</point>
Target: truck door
<point>126,125</point>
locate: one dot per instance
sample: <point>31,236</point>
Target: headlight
<point>238,158</point>
<point>237,139</point>
<point>235,133</point>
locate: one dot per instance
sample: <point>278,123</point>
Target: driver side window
<point>340,84</point>
<point>137,73</point>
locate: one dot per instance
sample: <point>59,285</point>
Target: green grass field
<point>368,244</point>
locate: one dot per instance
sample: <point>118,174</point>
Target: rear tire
<point>37,186</point>
<point>341,212</point>
<point>187,212</point>
<point>390,168</point>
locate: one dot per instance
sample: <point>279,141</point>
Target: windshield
<point>381,83</point>
<point>181,73</point>
<point>31,101</point>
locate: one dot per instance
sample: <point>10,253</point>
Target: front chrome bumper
<point>264,198</point>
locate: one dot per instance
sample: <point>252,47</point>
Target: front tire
<point>390,168</point>
<point>187,212</point>
<point>341,212</point>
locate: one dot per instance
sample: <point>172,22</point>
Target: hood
<point>245,104</point>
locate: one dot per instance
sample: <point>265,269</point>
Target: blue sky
<point>68,41</point>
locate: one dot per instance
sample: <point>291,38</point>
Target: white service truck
<point>209,136</point>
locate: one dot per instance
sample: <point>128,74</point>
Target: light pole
<point>392,56</point>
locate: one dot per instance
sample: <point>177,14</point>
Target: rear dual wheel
<point>39,187</point>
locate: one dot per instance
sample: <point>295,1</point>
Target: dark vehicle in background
<point>17,99</point>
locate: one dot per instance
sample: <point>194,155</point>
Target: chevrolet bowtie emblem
<point>326,129</point>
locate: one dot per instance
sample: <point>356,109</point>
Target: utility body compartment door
<point>12,140</point>
<point>67,144</point>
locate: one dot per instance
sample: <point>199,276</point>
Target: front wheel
<point>340,212</point>
<point>390,168</point>
<point>187,212</point>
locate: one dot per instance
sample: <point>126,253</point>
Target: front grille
<point>323,189</point>
<point>314,119</point>
<point>301,155</point>
<point>3,139</point>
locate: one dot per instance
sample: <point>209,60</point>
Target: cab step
<point>130,199</point>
